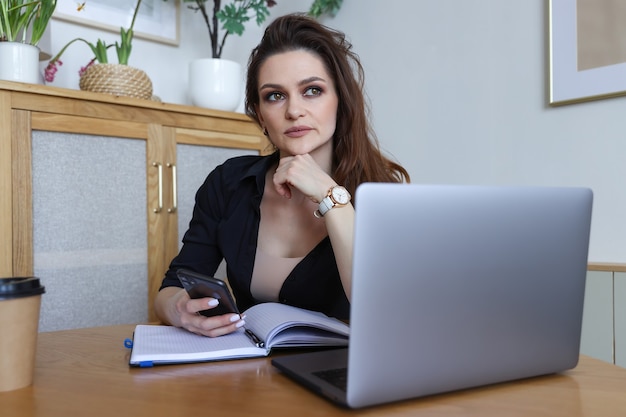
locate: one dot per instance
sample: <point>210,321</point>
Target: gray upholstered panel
<point>90,232</point>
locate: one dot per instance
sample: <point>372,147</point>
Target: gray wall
<point>459,95</point>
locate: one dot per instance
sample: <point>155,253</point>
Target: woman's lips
<point>297,131</point>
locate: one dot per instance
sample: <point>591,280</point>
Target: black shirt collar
<point>260,168</point>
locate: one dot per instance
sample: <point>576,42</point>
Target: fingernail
<point>234,318</point>
<point>213,302</point>
<point>240,323</point>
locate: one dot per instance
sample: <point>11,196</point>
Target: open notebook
<point>456,287</point>
<point>268,326</point>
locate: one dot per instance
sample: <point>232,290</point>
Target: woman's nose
<point>295,109</point>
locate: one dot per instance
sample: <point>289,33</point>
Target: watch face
<point>341,195</point>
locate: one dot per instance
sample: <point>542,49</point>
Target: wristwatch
<point>337,195</point>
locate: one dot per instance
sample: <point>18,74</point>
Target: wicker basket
<point>120,80</point>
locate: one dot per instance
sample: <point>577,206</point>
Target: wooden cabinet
<point>92,188</point>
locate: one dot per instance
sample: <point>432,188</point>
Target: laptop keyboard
<point>337,377</point>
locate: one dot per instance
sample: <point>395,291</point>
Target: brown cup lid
<point>17,287</point>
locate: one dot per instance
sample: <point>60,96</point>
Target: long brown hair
<point>356,155</point>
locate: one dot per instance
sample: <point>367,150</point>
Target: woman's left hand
<point>304,174</point>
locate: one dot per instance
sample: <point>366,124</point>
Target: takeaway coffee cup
<point>20,300</point>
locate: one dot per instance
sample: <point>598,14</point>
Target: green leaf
<point>100,51</point>
<point>233,18</point>
<point>18,16</point>
<point>320,7</point>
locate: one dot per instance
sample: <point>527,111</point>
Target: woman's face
<point>297,102</point>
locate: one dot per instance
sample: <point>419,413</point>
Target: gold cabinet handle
<point>174,197</point>
<point>159,167</point>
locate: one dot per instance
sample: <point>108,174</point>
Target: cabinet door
<point>89,229</point>
<point>597,330</point>
<point>620,318</point>
<point>194,164</point>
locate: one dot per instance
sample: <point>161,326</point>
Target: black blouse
<point>225,225</point>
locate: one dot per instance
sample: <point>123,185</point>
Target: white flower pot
<point>19,62</point>
<point>215,84</point>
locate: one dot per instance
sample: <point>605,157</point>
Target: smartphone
<point>200,286</point>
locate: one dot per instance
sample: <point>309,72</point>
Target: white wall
<point>459,95</point>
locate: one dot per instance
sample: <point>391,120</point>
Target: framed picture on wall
<point>587,50</point>
<point>157,20</point>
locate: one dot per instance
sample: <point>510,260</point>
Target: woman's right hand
<point>176,308</point>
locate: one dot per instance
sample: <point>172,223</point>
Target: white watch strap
<point>325,205</point>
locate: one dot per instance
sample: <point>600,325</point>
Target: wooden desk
<point>85,373</point>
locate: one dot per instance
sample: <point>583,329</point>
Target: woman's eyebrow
<point>310,80</point>
<point>270,85</point>
<point>302,82</point>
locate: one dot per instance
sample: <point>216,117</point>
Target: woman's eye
<point>273,96</point>
<point>313,91</point>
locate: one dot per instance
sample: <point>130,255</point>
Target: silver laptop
<point>456,287</point>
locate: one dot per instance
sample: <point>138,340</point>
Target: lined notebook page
<point>265,319</point>
<point>168,343</point>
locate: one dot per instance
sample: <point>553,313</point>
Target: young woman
<point>284,222</point>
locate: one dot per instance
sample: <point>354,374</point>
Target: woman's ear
<point>258,115</point>
<point>260,118</point>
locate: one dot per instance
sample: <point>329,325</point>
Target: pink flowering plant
<point>99,49</point>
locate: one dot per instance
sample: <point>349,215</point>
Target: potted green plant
<point>22,24</point>
<point>99,75</point>
<point>233,17</point>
